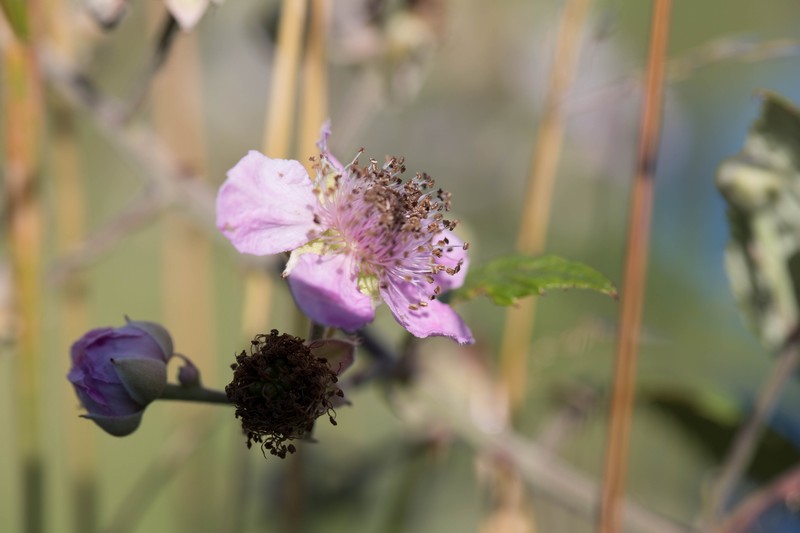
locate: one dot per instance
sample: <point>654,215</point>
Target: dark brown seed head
<point>279,390</point>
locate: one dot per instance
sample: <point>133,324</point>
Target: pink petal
<point>435,319</point>
<point>187,12</point>
<point>322,144</point>
<point>266,206</point>
<point>453,253</point>
<point>325,288</point>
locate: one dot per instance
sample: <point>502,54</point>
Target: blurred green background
<point>464,110</point>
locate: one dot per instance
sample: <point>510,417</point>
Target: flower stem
<point>193,394</point>
<point>316,332</point>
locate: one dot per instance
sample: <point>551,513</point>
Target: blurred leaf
<point>15,12</point>
<point>699,417</point>
<point>762,189</point>
<point>508,278</point>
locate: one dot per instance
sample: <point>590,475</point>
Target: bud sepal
<point>117,426</point>
<point>144,379</point>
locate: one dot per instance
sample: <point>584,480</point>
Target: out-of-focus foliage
<point>15,13</point>
<point>762,187</point>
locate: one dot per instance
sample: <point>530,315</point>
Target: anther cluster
<point>389,223</point>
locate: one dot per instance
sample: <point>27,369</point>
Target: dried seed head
<point>279,390</point>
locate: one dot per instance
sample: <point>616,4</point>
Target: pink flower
<point>358,235</point>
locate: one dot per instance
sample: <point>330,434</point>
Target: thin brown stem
<point>633,287</point>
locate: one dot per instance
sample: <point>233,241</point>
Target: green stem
<point>193,394</point>
<point>316,332</point>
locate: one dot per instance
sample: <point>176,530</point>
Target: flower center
<point>391,226</point>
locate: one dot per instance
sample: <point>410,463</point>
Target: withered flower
<point>283,385</point>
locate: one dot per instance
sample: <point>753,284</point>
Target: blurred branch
<point>386,364</point>
<point>169,182</point>
<point>726,49</point>
<point>137,214</point>
<point>173,455</point>
<point>540,469</point>
<point>744,444</point>
<point>169,29</point>
<point>375,346</point>
<point>784,489</point>
<point>581,401</point>
<point>735,48</point>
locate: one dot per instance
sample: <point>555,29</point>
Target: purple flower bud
<point>189,375</point>
<point>117,372</point>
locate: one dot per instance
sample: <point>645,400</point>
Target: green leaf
<point>761,185</point>
<point>711,422</point>
<point>508,278</point>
